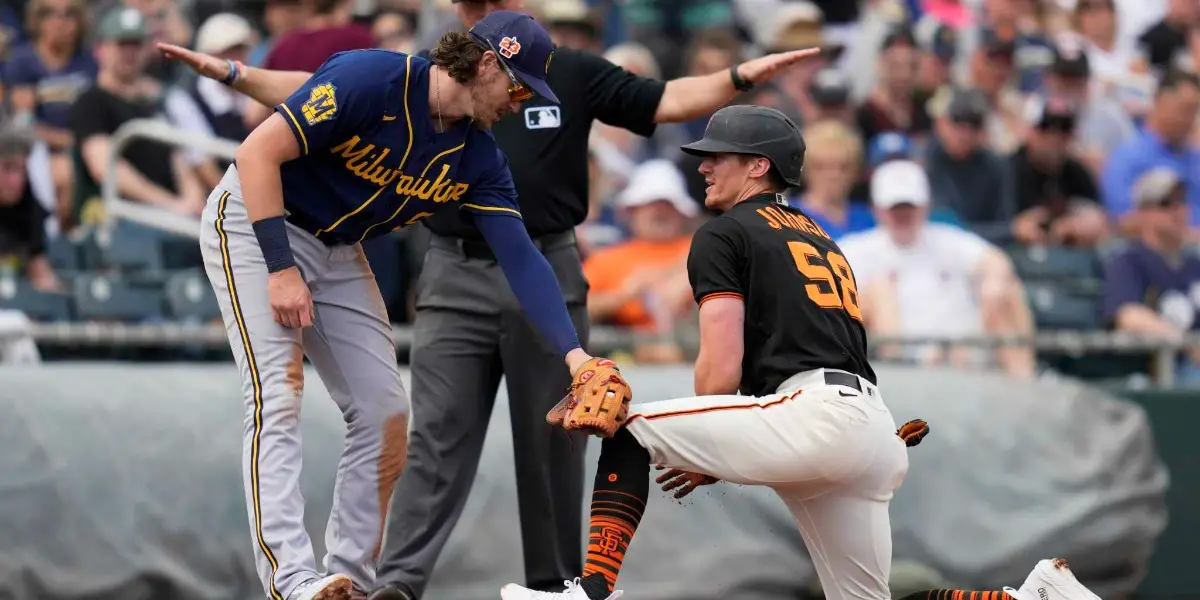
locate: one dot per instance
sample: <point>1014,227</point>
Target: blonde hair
<point>33,19</point>
<point>824,137</point>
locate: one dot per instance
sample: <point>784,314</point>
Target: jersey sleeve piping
<point>493,209</point>
<point>294,125</point>
<point>715,295</point>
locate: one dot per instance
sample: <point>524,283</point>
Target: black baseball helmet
<point>755,131</point>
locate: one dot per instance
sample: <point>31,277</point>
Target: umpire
<point>469,330</point>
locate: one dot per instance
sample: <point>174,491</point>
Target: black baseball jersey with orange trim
<point>801,298</point>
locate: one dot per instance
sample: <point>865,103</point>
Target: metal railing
<point>117,207</point>
<point>608,339</point>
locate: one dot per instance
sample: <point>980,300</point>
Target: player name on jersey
<point>778,219</point>
<point>366,163</point>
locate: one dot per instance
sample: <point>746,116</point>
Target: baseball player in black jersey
<point>779,323</point>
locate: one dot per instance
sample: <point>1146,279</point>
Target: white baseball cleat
<point>1052,579</point>
<point>574,591</point>
<point>332,587</point>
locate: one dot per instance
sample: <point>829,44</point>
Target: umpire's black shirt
<point>546,144</point>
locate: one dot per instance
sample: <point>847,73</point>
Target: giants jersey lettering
<point>370,158</point>
<point>801,297</point>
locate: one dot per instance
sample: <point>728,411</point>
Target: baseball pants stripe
<point>258,399</point>
<point>351,348</point>
<point>829,451</point>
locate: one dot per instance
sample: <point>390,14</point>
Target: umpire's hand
<point>291,301</point>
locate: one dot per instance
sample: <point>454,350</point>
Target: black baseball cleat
<point>391,591</point>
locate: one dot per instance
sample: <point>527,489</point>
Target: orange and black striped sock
<point>618,501</point>
<point>957,595</point>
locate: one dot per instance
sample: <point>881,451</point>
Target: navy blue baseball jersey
<point>370,158</point>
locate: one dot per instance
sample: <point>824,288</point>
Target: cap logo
<point>549,57</point>
<point>510,47</point>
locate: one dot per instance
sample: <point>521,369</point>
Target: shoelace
<point>572,586</point>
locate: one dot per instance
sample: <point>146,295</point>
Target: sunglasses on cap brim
<point>517,91</point>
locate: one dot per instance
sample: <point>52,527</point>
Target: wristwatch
<point>739,84</point>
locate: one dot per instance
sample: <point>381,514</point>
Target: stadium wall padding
<point>123,481</point>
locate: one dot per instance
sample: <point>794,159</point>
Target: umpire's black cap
<point>756,131</point>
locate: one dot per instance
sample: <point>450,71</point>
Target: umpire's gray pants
<point>351,347</point>
<point>469,331</point>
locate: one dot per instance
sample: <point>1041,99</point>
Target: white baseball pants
<point>830,451</point>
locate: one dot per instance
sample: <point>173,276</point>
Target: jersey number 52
<point>832,280</point>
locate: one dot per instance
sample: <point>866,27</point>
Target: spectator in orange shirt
<point>642,283</point>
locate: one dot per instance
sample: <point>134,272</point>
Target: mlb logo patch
<point>543,117</point>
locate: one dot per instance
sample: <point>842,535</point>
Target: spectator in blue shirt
<point>831,166</point>
<point>1162,142</point>
<point>1152,286</point>
<point>45,76</point>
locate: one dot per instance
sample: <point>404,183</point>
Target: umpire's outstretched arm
<point>682,100</point>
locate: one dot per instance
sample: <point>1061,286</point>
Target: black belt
<point>844,379</point>
<point>480,250</point>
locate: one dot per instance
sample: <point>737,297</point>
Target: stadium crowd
<point>989,166</point>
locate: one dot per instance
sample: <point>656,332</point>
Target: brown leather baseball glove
<point>597,403</point>
<point>913,432</point>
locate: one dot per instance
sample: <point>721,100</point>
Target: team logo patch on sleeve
<point>321,104</point>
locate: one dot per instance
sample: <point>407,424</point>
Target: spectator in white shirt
<point>925,279</point>
<point>207,107</point>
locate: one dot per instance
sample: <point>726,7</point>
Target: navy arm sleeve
<point>531,278</point>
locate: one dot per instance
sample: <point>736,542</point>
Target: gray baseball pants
<point>350,346</point>
<point>469,331</point>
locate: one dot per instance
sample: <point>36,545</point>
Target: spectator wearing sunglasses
<point>1056,195</point>
<point>1164,141</point>
<point>964,175</point>
<point>1152,285</point>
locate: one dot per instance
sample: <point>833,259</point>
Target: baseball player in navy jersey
<point>373,141</point>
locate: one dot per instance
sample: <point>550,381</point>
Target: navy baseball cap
<point>523,45</point>
<point>887,146</point>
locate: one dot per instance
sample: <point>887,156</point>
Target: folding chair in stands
<point>105,297</point>
<point>63,254</point>
<point>1056,307</point>
<point>124,248</point>
<point>1054,262</point>
<point>16,293</point>
<point>190,297</point>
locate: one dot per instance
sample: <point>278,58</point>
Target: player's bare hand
<point>203,64</point>
<point>291,301</point>
<point>766,67</point>
<point>683,482</point>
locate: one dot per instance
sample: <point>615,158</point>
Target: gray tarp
<point>124,482</point>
